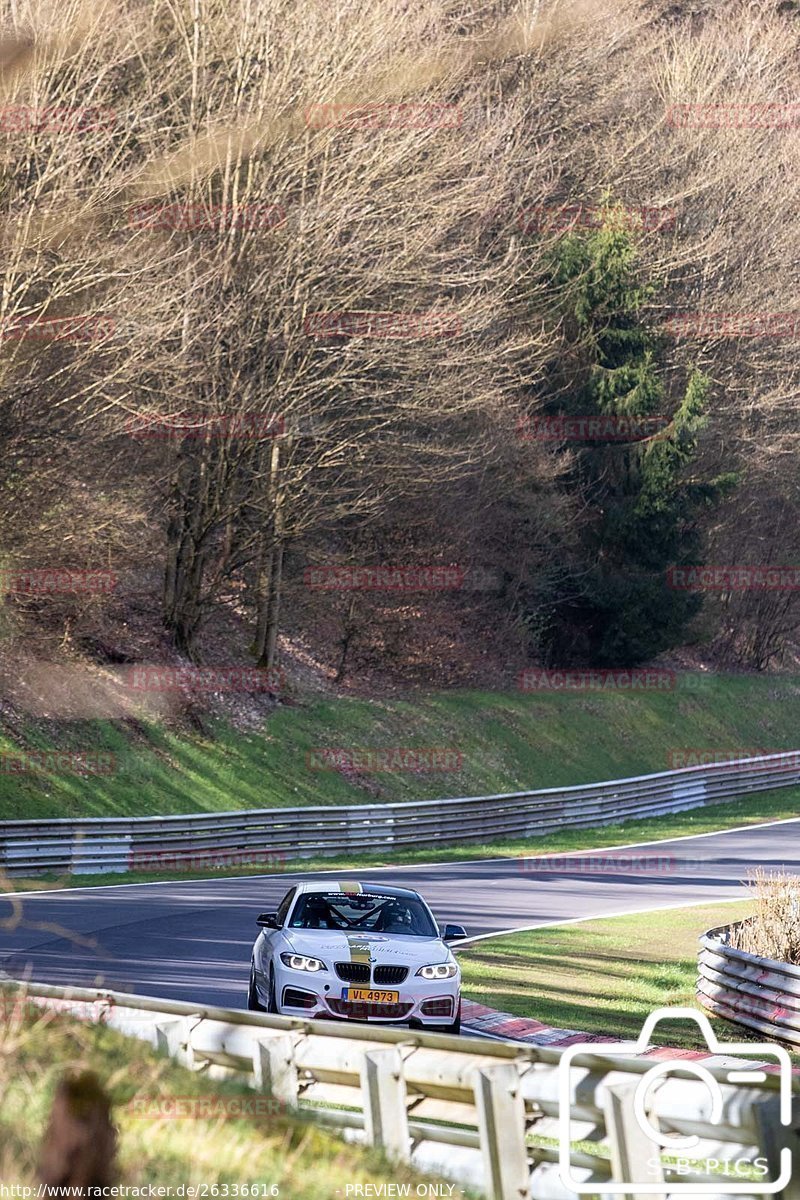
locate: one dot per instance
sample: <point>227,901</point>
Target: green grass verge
<point>157,1147</point>
<point>507,741</point>
<point>602,976</point>
<point>783,804</point>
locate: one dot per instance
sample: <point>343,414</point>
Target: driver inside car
<point>395,918</point>
<point>315,914</point>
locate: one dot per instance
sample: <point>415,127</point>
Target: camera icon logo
<point>657,1125</point>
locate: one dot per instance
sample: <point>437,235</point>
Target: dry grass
<point>774,930</point>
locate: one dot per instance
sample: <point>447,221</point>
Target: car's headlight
<point>439,971</point>
<point>301,962</point>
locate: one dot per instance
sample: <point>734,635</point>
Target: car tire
<point>456,1025</point>
<point>253,1002</point>
<point>272,1003</point>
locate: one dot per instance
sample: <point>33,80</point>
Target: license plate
<point>369,996</point>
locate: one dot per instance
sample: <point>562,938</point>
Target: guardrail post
<point>274,1068</point>
<point>501,1124</point>
<point>631,1149</point>
<point>383,1088</point>
<point>775,1138</point>
<point>175,1039</point>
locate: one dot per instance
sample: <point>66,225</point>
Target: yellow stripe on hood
<point>359,949</point>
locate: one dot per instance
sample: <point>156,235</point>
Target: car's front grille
<point>389,974</point>
<point>360,1012</point>
<point>359,973</point>
<point>353,972</point>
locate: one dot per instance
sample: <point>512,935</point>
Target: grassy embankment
<point>507,741</point>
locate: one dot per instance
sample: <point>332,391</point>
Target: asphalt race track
<point>191,940</point>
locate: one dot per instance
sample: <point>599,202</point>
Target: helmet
<point>316,912</point>
<point>395,917</point>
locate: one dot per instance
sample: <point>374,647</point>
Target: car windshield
<point>364,912</point>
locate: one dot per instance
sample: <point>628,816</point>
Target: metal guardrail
<point>95,844</point>
<point>758,993</point>
<point>481,1113</point>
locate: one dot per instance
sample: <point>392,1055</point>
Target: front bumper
<point>421,1001</point>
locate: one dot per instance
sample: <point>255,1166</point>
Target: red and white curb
<point>490,1022</point>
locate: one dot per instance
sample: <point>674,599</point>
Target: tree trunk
<point>273,606</point>
<point>270,570</point>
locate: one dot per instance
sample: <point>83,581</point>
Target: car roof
<point>354,885</point>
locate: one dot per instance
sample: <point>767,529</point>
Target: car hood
<point>359,947</point>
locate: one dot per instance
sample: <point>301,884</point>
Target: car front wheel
<point>453,1027</point>
<point>456,1025</point>
<point>272,1003</point>
<point>253,1002</point>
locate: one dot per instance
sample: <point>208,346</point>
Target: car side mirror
<point>453,932</point>
<point>268,920</point>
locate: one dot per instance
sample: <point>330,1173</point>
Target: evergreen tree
<point>611,604</point>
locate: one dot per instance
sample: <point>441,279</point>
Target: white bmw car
<point>359,952</point>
